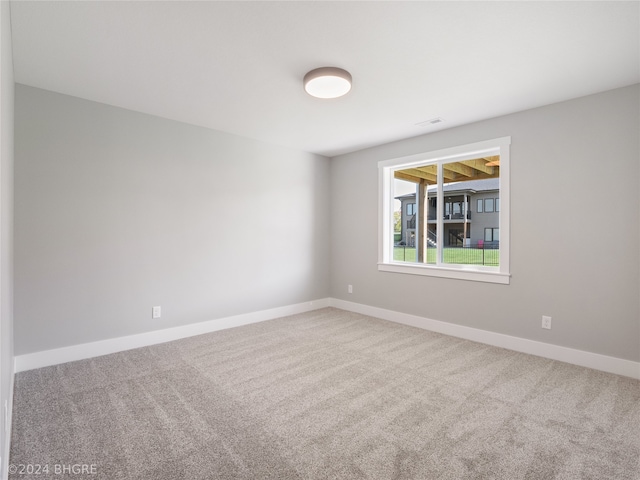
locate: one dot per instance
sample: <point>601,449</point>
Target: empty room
<point>319,240</point>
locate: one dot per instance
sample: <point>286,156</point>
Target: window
<point>491,234</point>
<point>488,205</point>
<point>447,241</point>
<point>411,208</point>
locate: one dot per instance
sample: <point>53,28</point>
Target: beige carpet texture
<point>327,394</point>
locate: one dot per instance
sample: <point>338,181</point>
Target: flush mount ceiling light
<point>327,82</point>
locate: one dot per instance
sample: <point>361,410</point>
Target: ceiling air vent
<point>432,121</point>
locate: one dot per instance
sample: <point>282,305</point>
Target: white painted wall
<point>574,229</point>
<point>118,211</point>
<point>6,231</point>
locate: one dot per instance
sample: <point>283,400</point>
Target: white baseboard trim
<point>56,356</point>
<point>596,361</point>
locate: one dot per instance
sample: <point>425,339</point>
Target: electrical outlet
<point>156,312</point>
<point>546,322</point>
<point>350,288</point>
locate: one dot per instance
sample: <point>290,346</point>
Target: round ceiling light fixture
<point>327,82</point>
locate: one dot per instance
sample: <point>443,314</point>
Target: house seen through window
<point>440,231</point>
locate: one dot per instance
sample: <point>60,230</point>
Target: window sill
<point>446,272</point>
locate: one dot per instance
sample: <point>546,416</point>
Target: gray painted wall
<point>106,197</point>
<point>6,227</point>
<point>118,211</point>
<point>577,152</point>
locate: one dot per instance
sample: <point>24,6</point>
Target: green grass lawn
<point>462,256</point>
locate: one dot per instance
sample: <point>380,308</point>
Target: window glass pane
<point>488,205</point>
<point>464,239</point>
<point>404,221</point>
<point>496,234</point>
<point>411,208</point>
<point>497,204</point>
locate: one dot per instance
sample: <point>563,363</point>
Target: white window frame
<point>481,273</point>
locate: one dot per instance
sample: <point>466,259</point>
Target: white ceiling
<point>238,66</point>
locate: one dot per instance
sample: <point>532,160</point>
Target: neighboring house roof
<point>472,186</point>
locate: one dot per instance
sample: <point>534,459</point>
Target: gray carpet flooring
<point>327,394</point>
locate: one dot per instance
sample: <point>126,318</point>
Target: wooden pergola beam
<point>475,169</point>
<point>414,175</point>
<point>460,168</point>
<point>480,164</point>
<point>431,178</point>
<point>433,170</point>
